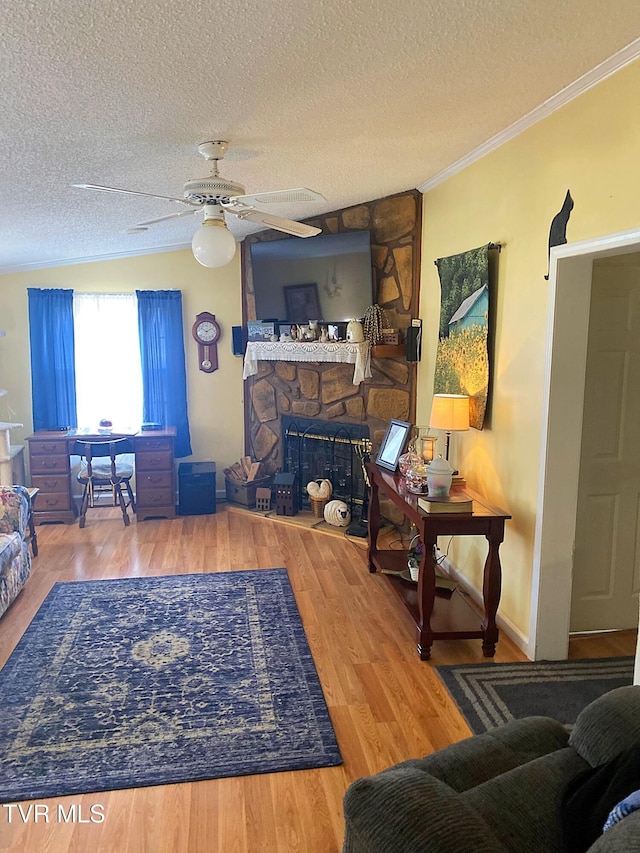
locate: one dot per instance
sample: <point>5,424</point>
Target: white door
<point>607,542</point>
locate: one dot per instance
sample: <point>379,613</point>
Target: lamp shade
<point>213,244</point>
<point>449,412</point>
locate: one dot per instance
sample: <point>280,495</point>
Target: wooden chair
<point>101,475</point>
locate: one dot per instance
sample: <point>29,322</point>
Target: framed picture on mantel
<point>302,303</point>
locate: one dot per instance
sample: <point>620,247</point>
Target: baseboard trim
<point>504,624</point>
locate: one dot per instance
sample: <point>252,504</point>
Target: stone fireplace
<point>325,392</point>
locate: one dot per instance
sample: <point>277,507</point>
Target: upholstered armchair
<point>506,791</point>
<point>15,560</point>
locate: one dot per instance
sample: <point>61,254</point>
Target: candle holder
<point>425,444</point>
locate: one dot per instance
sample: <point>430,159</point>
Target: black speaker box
<point>237,340</point>
<point>197,488</point>
<point>414,341</point>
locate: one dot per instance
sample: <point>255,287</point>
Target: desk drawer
<point>153,480</point>
<point>52,502</point>
<point>155,497</point>
<point>49,464</point>
<point>41,447</point>
<point>50,483</point>
<point>154,444</point>
<point>161,460</point>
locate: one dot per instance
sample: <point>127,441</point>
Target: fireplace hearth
<point>315,449</point>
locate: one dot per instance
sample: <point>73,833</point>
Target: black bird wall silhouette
<point>558,230</point>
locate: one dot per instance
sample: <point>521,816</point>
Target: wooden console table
<point>50,467</point>
<point>438,618</point>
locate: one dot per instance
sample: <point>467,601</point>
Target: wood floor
<point>386,705</point>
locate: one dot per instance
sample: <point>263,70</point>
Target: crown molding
<point>605,69</point>
<point>114,256</point>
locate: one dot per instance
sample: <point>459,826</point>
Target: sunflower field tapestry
<point>462,360</point>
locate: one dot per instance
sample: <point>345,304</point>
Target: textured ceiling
<point>357,99</point>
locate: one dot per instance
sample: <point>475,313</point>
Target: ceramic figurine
<point>319,489</point>
<point>307,333</point>
<point>337,513</point>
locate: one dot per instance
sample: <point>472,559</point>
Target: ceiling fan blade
<point>133,192</point>
<point>164,218</point>
<point>280,197</point>
<point>288,226</point>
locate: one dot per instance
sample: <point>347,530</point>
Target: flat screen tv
<point>326,278</point>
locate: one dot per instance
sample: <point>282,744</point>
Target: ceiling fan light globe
<point>213,244</point>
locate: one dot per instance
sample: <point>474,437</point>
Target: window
<point>107,359</point>
<point>130,352</point>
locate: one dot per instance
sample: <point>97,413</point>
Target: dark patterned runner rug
<point>149,681</point>
<point>494,693</point>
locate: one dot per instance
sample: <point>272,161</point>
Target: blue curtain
<point>164,375</point>
<point>53,379</point>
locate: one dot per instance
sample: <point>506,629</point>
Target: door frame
<point>561,434</point>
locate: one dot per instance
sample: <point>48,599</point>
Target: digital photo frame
<point>393,444</point>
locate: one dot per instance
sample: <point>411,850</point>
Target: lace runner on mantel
<point>335,351</point>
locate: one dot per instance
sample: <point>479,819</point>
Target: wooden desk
<point>49,454</point>
<point>439,618</point>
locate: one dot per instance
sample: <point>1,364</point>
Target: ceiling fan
<point>213,244</point>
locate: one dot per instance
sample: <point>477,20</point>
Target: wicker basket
<point>318,505</point>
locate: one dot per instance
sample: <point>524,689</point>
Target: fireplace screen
<point>328,451</point>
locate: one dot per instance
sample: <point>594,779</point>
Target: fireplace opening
<point>326,450</point>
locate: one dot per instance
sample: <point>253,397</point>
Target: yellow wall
<point>215,400</point>
<point>592,147</point>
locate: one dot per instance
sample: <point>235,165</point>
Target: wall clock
<point>206,333</point>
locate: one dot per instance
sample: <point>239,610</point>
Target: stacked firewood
<point>245,471</point>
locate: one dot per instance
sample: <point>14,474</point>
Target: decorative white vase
<point>355,332</point>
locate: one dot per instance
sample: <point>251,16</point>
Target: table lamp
<point>449,412</point>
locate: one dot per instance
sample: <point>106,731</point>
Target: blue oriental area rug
<point>149,681</point>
